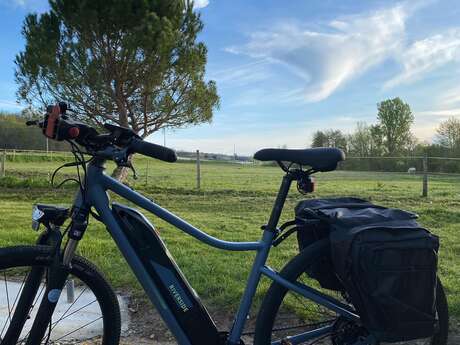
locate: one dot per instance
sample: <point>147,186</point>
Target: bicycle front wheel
<point>87,311</point>
<point>284,313</point>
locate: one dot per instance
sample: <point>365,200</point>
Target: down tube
<point>100,201</point>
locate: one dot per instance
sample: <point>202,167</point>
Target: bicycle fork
<point>56,278</point>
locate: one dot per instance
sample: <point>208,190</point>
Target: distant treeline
<point>387,144</point>
<point>15,135</point>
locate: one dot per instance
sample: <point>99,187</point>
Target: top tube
<point>97,176</point>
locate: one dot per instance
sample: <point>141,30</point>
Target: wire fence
<point>412,164</point>
<point>422,166</point>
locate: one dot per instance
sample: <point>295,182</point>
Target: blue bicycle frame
<point>97,186</point>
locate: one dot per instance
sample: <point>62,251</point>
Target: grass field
<point>233,203</point>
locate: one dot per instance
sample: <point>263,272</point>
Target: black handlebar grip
<point>153,150</point>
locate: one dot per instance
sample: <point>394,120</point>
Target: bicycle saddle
<point>318,158</point>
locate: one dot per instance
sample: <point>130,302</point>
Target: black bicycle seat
<point>318,158</point>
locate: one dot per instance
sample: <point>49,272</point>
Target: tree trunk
<point>121,173</point>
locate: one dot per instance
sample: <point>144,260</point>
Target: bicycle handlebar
<point>119,138</point>
<point>152,150</point>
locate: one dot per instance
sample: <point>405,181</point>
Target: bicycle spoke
<point>38,296</point>
<point>66,315</point>
<point>299,314</point>
<point>76,311</point>
<point>76,330</point>
<point>14,303</point>
<point>7,296</point>
<point>20,290</point>
<point>75,301</point>
<point>79,318</point>
<point>8,319</point>
<point>32,307</point>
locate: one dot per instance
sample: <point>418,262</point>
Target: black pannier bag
<point>311,227</point>
<point>387,263</point>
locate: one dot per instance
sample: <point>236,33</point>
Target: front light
<point>37,214</point>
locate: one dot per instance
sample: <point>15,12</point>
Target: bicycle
<point>42,271</point>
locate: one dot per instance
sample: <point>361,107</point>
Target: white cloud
<point>327,59</point>
<point>426,55</point>
<point>198,3</point>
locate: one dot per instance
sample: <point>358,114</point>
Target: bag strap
<point>285,235</point>
<point>351,205</point>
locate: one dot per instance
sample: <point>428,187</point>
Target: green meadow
<point>232,204</point>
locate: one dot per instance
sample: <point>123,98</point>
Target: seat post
<point>279,202</point>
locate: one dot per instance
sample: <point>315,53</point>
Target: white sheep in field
<point>411,170</point>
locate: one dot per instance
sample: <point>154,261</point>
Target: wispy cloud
<point>199,3</point>
<point>243,74</point>
<point>426,55</point>
<point>327,59</point>
<point>272,96</point>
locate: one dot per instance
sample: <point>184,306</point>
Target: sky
<point>285,69</point>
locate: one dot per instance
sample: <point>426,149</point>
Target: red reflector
<point>74,132</point>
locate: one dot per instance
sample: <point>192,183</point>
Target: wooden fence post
<point>198,170</point>
<point>3,163</point>
<point>425,177</point>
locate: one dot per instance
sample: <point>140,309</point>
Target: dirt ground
<point>147,328</point>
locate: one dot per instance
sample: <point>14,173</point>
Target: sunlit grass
<point>234,201</point>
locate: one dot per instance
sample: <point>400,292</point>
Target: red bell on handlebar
<point>73,132</point>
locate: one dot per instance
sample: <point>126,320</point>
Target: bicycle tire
<point>293,270</point>
<point>18,258</point>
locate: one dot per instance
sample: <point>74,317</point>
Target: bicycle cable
<point>79,161</point>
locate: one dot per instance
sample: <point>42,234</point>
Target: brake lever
<point>119,156</point>
<point>126,163</point>
<point>131,166</point>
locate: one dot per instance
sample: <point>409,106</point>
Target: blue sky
<point>287,68</point>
